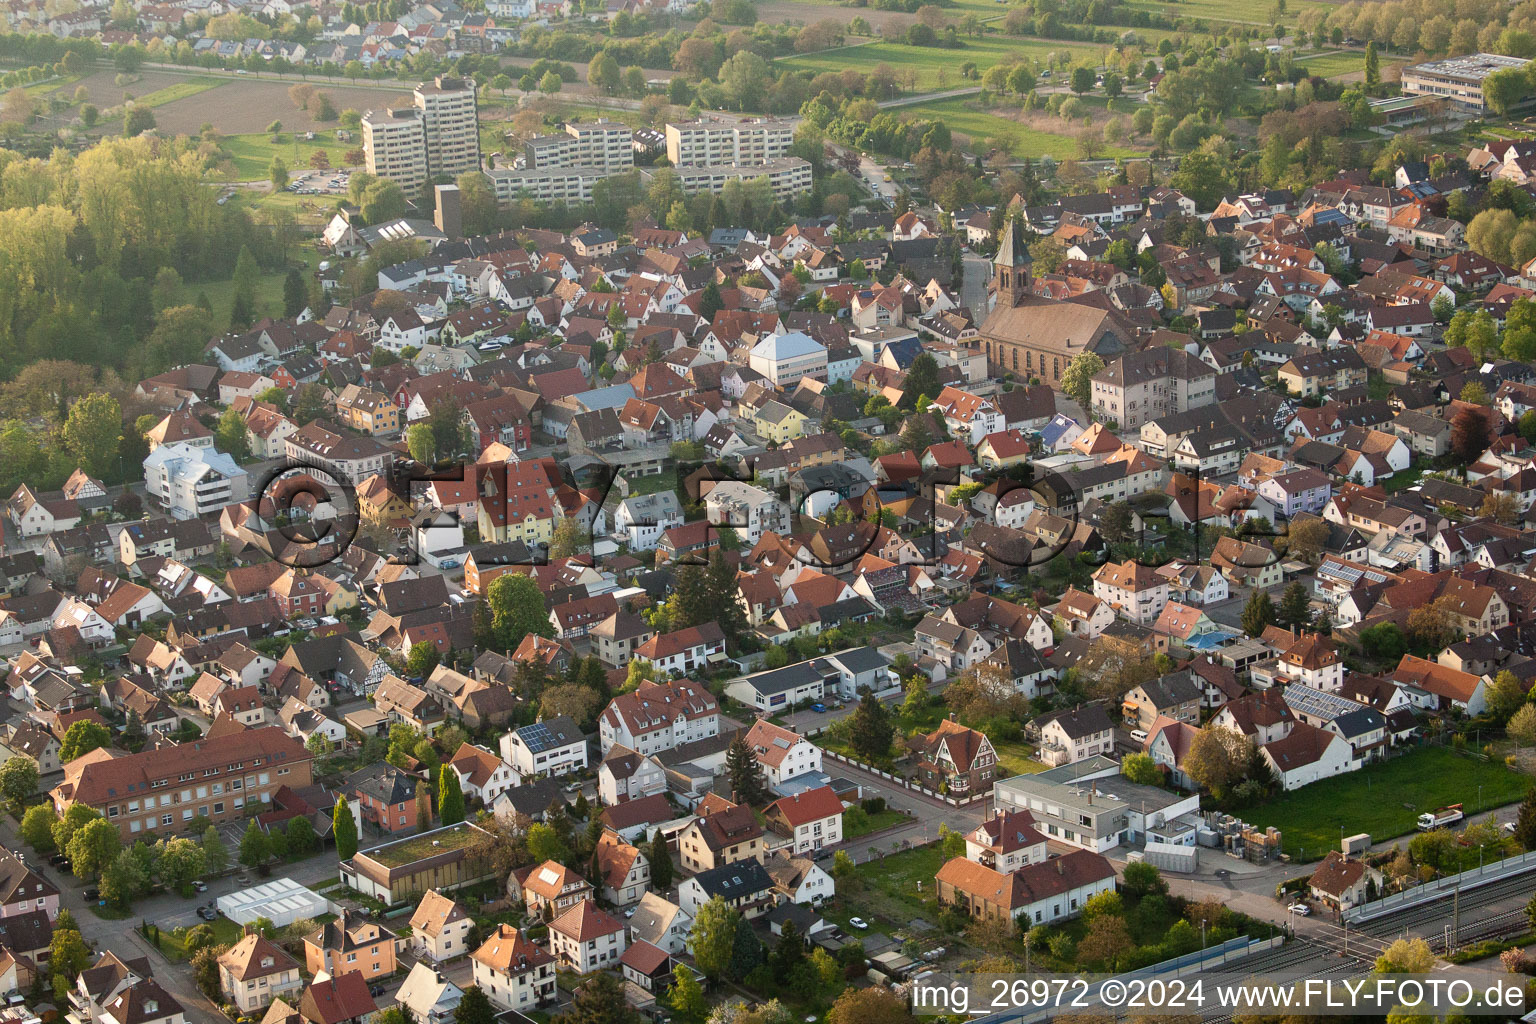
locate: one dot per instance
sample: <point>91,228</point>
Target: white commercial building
<point>190,482</point>
<point>281,901</point>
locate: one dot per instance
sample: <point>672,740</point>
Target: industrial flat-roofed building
<point>1097,810</point>
<point>1458,79</point>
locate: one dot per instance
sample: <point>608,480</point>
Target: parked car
<point>818,707</point>
<point>1299,908</point>
<point>92,893</point>
<point>858,922</point>
<point>199,886</point>
<point>207,913</point>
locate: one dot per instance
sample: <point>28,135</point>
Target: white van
<point>1139,735</point>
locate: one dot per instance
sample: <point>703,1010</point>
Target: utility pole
<point>1455,914</point>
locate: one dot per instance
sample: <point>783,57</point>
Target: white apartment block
<point>787,175</point>
<point>439,136</point>
<point>190,482</point>
<point>452,125</point>
<point>600,145</point>
<point>395,147</point>
<point>718,140</point>
<point>749,511</point>
<point>567,185</point>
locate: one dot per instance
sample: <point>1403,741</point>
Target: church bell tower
<point>1011,267</point>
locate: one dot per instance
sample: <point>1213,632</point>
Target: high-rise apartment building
<point>395,147</point>
<point>438,136</point>
<point>716,140</point>
<point>601,145</point>
<point>452,125</point>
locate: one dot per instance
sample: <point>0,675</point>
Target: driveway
<point>927,813</point>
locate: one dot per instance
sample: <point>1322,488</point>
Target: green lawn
<point>269,290</point>
<point>928,62</point>
<point>1224,10</point>
<point>1337,62</point>
<point>180,91</point>
<point>226,932</point>
<point>252,154</point>
<point>961,115</point>
<point>1385,799</point>
<point>873,823</point>
<point>887,887</point>
<point>1017,758</point>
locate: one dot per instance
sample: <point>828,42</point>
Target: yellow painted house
<point>1002,449</point>
<point>778,423</point>
<point>517,503</point>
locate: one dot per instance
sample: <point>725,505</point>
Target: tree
<point>422,443</point>
<point>1107,941</point>
<point>67,956</point>
<point>1295,605</point>
<point>1433,625</point>
<point>390,1015</point>
<point>37,827</point>
<point>295,294</point>
<point>422,659</point>
<point>247,274</point>
<point>277,173</point>
<point>951,842</point>
<point>254,847</point>
<point>344,829</point>
<point>93,847</point>
<point>125,879</point>
<point>474,1007</point>
<point>76,817</point>
<point>1505,696</point>
<point>713,936</point>
<point>138,120</point>
<point>686,996</point>
<point>181,861</point>
<point>1469,435</point>
<point>922,379</point>
<point>1525,820</point>
<point>82,737</point>
<point>544,843</point>
<point>1258,613</point>
<point>231,436</point>
<point>600,998</point>
<point>1141,769</point>
<point>1473,393</point>
<point>18,781</point>
<point>1077,381</point>
<point>450,796</point>
<point>215,853</point>
<point>1141,880</point>
<point>748,784</point>
<point>383,200</point>
<point>550,83</point>
<point>1522,727</point>
<point>1372,68</point>
<point>870,728</point>
<point>517,610</point>
<point>746,950</point>
<point>1406,956</point>
<point>869,1006</point>
<point>1082,79</point>
<point>711,302</point>
<point>661,862</point>
<point>1306,538</point>
<point>570,538</point>
<point>1217,759</point>
<point>92,433</point>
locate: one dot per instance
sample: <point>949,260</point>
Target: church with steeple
<point>1034,337</point>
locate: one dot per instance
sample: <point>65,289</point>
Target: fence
<point>1189,963</point>
<point>906,784</point>
<point>1471,879</point>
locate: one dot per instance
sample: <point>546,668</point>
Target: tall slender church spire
<point>1011,266</point>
